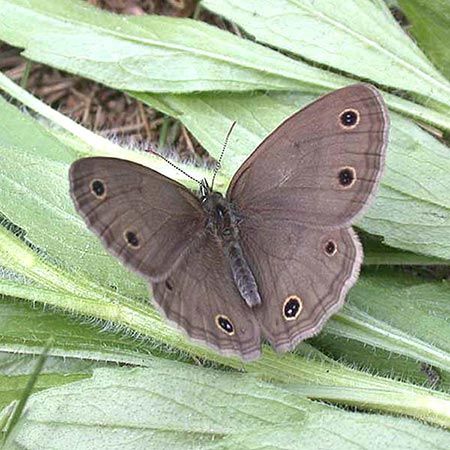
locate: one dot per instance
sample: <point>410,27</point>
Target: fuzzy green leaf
<point>24,329</point>
<point>359,37</point>
<point>148,53</point>
<point>376,253</point>
<point>319,377</point>
<point>154,408</point>
<point>390,308</point>
<point>12,387</point>
<point>383,363</point>
<point>161,54</point>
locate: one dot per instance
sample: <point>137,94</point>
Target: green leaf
<point>400,314</point>
<point>333,430</point>
<point>431,28</point>
<point>28,389</point>
<point>383,363</point>
<point>15,363</point>
<point>412,209</point>
<point>160,54</point>
<point>148,53</point>
<point>172,405</point>
<point>12,387</point>
<point>361,37</point>
<point>375,253</point>
<point>24,329</point>
<point>325,380</point>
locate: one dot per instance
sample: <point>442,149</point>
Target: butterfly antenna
<point>219,162</point>
<point>152,150</point>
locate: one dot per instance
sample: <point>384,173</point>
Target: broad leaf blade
<point>390,307</point>
<point>382,362</point>
<point>28,389</point>
<point>328,381</point>
<point>25,330</point>
<point>154,408</point>
<point>336,430</point>
<point>161,54</point>
<point>148,53</point>
<point>359,37</point>
<point>376,253</point>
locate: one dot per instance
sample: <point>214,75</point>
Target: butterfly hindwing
<point>202,299</point>
<point>303,276</point>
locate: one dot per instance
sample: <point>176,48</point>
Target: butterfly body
<point>275,256</point>
<point>222,222</point>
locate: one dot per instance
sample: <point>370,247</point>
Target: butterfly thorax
<point>222,222</point>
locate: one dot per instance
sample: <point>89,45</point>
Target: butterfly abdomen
<point>223,223</point>
<point>242,274</point>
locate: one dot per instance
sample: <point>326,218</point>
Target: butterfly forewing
<point>296,196</point>
<point>321,166</point>
<point>141,216</point>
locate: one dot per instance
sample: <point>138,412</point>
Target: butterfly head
<point>209,199</point>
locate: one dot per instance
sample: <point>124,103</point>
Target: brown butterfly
<point>275,256</point>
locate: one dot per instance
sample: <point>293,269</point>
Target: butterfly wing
<point>296,196</point>
<point>145,219</point>
<point>168,244</point>
<point>321,166</point>
<point>201,298</point>
<point>303,275</point>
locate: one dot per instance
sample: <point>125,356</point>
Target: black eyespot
<point>224,323</point>
<point>330,248</point>
<point>169,285</point>
<point>132,239</point>
<point>292,307</point>
<point>226,232</point>
<point>98,188</point>
<point>347,176</point>
<point>349,118</point>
